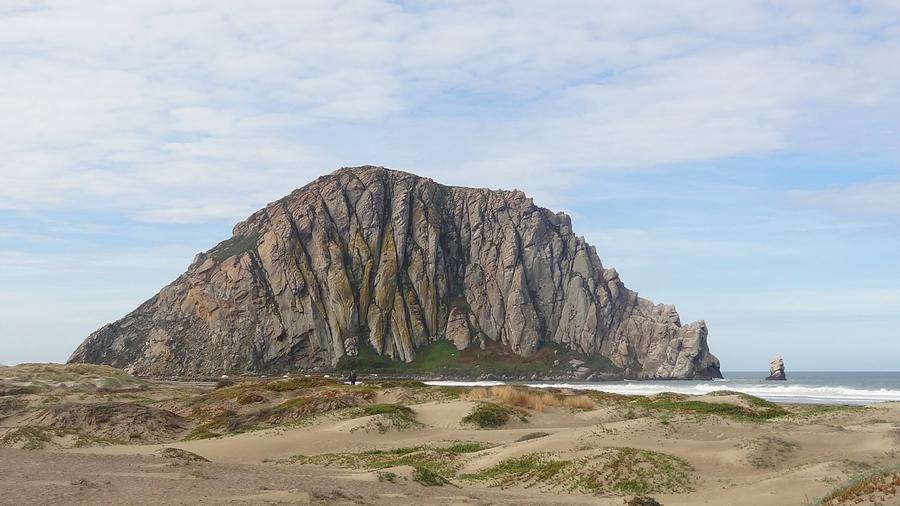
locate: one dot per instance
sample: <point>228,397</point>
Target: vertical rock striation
<point>382,259</point>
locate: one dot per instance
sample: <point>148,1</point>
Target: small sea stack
<point>776,370</point>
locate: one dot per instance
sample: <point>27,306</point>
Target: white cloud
<point>880,199</point>
<point>160,110</point>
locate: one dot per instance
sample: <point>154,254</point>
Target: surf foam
<point>798,394</point>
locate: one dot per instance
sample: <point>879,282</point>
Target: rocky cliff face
<point>388,261</point>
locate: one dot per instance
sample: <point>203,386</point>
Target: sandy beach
<point>306,440</point>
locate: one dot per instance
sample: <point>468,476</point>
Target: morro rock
<point>376,261</point>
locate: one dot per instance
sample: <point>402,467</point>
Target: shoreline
<point>788,392</point>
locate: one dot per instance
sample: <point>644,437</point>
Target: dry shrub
<point>477,394</point>
<point>578,402</point>
<point>529,399</point>
<point>512,396</point>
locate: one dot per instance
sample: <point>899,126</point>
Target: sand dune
<point>362,446</point>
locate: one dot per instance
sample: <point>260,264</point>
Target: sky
<point>738,159</point>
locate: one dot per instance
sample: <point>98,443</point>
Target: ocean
<point>801,387</point>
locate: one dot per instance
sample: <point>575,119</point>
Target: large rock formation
<point>776,370</point>
<point>386,260</point>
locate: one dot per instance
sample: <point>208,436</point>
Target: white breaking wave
<point>799,394</point>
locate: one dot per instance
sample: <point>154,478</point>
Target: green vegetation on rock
<point>235,245</point>
<point>442,357</point>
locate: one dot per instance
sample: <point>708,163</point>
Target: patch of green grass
<point>722,393</point>
<point>468,447</point>
<point>230,392</point>
<point>201,432</point>
<point>236,245</point>
<point>396,451</point>
<point>636,471</point>
<point>428,477</point>
<point>759,410</point>
<point>387,476</point>
<point>489,415</point>
<point>441,356</point>
<point>612,470</point>
<point>387,409</point>
<point>435,356</point>
<point>290,404</point>
<point>37,438</point>
<point>752,400</point>
<point>443,461</point>
<point>236,390</point>
<point>292,384</point>
<point>250,398</point>
<point>866,488</point>
<point>82,378</point>
<point>757,402</point>
<point>258,414</point>
<point>390,416</point>
<point>602,364</point>
<point>607,397</point>
<point>31,438</point>
<point>367,359</point>
<point>532,467</point>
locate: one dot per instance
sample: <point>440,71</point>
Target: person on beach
<point>352,378</point>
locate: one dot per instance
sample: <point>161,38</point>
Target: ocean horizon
<point>801,387</point>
